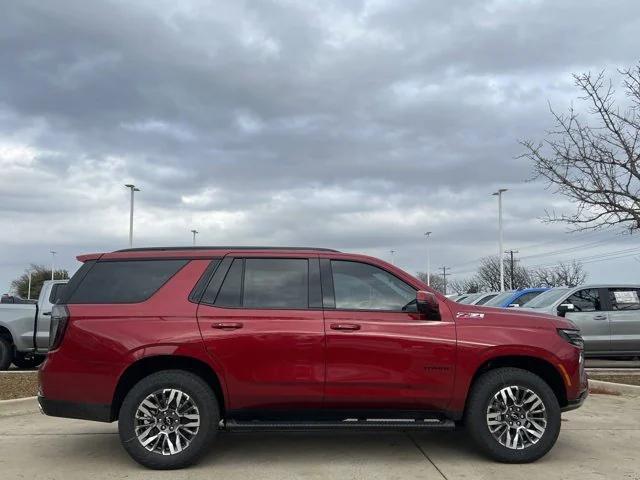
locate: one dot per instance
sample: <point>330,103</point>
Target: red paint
<point>314,359</point>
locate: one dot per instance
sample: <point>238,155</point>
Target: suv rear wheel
<point>168,419</point>
<point>513,415</point>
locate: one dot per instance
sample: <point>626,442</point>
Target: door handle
<point>227,325</point>
<point>345,326</point>
<point>46,314</point>
<point>599,317</point>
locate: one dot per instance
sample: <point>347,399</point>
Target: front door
<point>261,321</point>
<point>381,353</point>
<point>624,317</point>
<point>591,318</point>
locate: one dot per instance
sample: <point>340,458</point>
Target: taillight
<point>59,320</point>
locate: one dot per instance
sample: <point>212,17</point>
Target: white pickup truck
<point>24,328</point>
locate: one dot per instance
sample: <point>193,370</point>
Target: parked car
<point>608,316</point>
<point>24,328</point>
<point>478,298</point>
<point>177,343</point>
<point>515,298</point>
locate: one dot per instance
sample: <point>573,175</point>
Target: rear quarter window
<point>128,281</point>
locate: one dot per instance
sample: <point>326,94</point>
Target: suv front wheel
<point>168,419</point>
<point>513,415</point>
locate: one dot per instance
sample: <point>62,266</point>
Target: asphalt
<point>597,441</point>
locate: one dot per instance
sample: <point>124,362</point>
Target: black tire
<point>6,353</point>
<point>22,360</point>
<point>201,395</point>
<point>482,393</point>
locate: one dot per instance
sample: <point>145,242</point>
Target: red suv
<point>178,343</point>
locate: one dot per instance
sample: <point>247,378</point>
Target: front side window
<point>266,283</point>
<point>126,281</point>
<point>359,286</point>
<point>625,298</point>
<point>587,300</point>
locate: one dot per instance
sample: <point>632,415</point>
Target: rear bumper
<point>577,403</point>
<point>83,411</point>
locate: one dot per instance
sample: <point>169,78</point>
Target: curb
<point>616,388</point>
<point>18,406</point>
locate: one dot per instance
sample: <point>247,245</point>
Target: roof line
<point>161,249</point>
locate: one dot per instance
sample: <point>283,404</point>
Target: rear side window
<point>129,281</point>
<point>587,300</point>
<point>265,283</point>
<point>624,298</point>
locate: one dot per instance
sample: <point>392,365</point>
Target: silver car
<point>608,316</point>
<point>477,298</point>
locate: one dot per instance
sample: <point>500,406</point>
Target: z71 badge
<point>470,315</point>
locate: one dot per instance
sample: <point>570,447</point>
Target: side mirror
<point>565,308</point>
<point>513,305</point>
<point>427,304</point>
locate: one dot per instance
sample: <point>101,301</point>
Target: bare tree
<point>437,281</point>
<point>488,274</point>
<point>465,285</point>
<point>595,164</point>
<point>564,274</point>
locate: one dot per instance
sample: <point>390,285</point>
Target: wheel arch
<point>152,364</point>
<point>536,365</point>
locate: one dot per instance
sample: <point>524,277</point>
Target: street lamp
<point>427,235</point>
<point>500,249</point>
<point>133,189</point>
<point>195,232</point>
<point>392,252</point>
<point>29,287</point>
<point>53,262</point>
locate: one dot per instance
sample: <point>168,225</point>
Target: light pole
<point>427,235</point>
<point>392,252</point>
<point>53,262</point>
<point>195,232</point>
<point>29,287</point>
<point>500,249</point>
<point>133,189</point>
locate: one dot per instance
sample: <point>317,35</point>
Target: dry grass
<point>18,385</point>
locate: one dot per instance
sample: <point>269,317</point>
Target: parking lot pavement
<point>599,441</point>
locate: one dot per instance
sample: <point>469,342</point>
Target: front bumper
<point>83,411</point>
<point>577,403</point>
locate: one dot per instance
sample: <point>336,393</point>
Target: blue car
<point>515,298</point>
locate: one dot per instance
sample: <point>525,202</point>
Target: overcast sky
<point>357,125</point>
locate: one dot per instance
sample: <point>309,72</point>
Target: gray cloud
<point>356,125</point>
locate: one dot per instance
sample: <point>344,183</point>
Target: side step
<point>348,425</point>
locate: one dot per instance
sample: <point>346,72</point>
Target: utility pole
<point>511,252</point>
<point>427,235</point>
<point>392,252</point>
<point>53,262</point>
<point>444,278</point>
<point>195,232</point>
<point>133,189</point>
<point>500,248</point>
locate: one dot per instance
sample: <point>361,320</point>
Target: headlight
<point>572,336</point>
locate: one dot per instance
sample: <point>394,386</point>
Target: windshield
<point>547,298</point>
<point>499,299</point>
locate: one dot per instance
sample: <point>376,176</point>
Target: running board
<point>350,424</point>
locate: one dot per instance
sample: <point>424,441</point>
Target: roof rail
<point>232,247</point>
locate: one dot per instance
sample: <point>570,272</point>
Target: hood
<point>515,317</point>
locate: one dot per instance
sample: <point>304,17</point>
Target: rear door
<point>261,321</point>
<point>591,318</point>
<point>381,353</point>
<point>624,318</point>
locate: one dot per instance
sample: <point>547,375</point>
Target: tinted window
<point>57,290</point>
<point>276,283</point>
<point>587,300</point>
<point>128,281</point>
<point>230,294</point>
<point>526,297</point>
<point>359,286</point>
<point>625,298</point>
